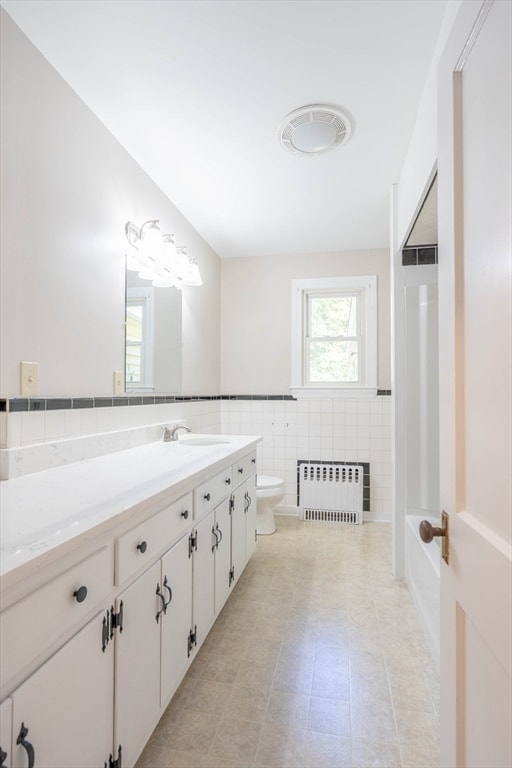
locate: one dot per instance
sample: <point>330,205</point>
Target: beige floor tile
<point>221,668</point>
<point>375,754</point>
<point>193,731</point>
<point>411,694</point>
<point>324,750</point>
<point>416,729</point>
<point>173,758</point>
<point>419,758</point>
<point>294,674</point>
<point>315,645</point>
<point>280,747</point>
<point>208,696</point>
<point>152,757</point>
<point>373,720</point>
<point>247,704</point>
<point>329,716</point>
<point>256,674</point>
<point>236,740</point>
<point>290,709</point>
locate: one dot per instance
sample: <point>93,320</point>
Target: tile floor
<point>317,660</point>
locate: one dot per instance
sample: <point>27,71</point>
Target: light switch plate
<point>29,379</point>
<point>118,383</point>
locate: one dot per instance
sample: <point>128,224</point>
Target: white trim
<point>302,393</point>
<point>366,285</point>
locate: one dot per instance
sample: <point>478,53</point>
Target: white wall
<point>407,195</point>
<point>68,187</point>
<point>256,315</point>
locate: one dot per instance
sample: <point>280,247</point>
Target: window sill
<point>303,393</point>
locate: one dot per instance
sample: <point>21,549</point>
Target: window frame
<point>365,287</point>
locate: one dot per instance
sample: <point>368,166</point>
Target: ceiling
<point>195,90</point>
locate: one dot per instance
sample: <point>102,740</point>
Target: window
<point>139,343</point>
<point>334,342</point>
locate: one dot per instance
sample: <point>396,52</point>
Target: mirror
<point>153,337</point>
<point>424,229</point>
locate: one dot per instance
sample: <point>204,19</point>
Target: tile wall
<point>292,430</point>
<point>326,430</point>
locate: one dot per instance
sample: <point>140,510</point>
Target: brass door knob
<point>428,532</point>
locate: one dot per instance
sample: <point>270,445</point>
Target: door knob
<point>428,532</point>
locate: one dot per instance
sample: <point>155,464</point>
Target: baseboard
<point>287,510</point>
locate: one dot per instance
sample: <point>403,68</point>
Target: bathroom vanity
<point>113,571</point>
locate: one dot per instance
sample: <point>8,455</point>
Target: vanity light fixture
<point>155,257</point>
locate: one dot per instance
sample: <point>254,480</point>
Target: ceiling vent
<point>314,129</point>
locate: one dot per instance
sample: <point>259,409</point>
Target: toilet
<point>269,492</point>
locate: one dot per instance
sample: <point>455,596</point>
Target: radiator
<point>331,492</point>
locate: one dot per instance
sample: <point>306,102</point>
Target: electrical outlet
<point>118,383</point>
<point>29,379</point>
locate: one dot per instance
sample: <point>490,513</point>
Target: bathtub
<point>422,566</point>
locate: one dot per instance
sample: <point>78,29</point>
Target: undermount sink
<point>212,440</point>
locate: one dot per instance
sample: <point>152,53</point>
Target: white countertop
<point>47,510</point>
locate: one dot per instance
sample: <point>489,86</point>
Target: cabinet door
<point>6,733</point>
<point>250,517</point>
<point>67,705</point>
<point>238,531</point>
<point>222,555</point>
<point>177,621</point>
<point>137,664</point>
<point>204,584</point>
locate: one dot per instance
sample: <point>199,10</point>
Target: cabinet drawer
<point>210,493</point>
<point>244,468</point>
<point>139,546</point>
<point>35,623</point>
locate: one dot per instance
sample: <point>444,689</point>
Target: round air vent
<point>314,129</point>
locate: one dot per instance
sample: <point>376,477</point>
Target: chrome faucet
<point>173,433</point>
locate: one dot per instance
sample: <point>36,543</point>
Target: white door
<point>250,517</point>
<point>177,621</point>
<point>137,664</point>
<point>222,554</point>
<point>66,707</point>
<point>476,385</point>
<point>204,578</point>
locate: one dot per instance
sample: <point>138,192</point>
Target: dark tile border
<point>366,477</point>
<point>419,256</point>
<point>21,404</point>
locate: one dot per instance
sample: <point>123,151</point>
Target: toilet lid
<point>267,481</point>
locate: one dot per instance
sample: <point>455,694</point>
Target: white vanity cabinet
<point>92,655</point>
<point>62,715</point>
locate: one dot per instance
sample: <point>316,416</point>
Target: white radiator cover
<point>331,492</point>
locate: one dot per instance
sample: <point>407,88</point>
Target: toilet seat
<point>266,482</point>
